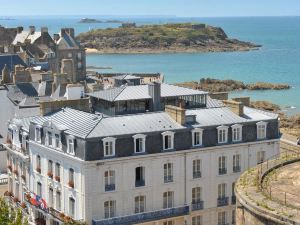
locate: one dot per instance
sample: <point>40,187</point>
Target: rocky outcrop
<point>181,37</point>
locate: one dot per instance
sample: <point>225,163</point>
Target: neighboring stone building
<point>166,167</point>
<point>269,193</point>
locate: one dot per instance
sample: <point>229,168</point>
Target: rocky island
<point>179,37</point>
<point>89,20</point>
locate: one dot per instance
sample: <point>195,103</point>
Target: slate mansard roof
<point>87,125</point>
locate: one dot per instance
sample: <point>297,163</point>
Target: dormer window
<point>37,134</point>
<point>261,130</point>
<point>57,141</point>
<point>236,133</point>
<point>49,138</point>
<point>71,145</point>
<point>168,140</point>
<point>109,146</point>
<point>139,143</point>
<point>222,134</point>
<point>197,137</point>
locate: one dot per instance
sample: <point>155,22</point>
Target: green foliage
<point>10,216</point>
<point>72,222</point>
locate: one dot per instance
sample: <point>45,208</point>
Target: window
<point>222,220</point>
<point>109,209</point>
<point>109,146</point>
<point>38,163</point>
<point>260,157</point>
<point>140,204</point>
<point>58,200</point>
<point>139,176</point>
<point>168,172</point>
<point>168,140</point>
<point>71,149</point>
<point>222,134</point>
<point>71,207</point>
<point>197,137</point>
<point>49,138</point>
<point>50,168</point>
<point>50,198</point>
<point>57,172</point>
<point>57,141</point>
<point>196,195</point>
<point>39,189</point>
<point>233,197</point>
<point>168,199</point>
<point>261,130</point>
<point>236,133</point>
<point>236,163</point>
<point>38,134</point>
<point>71,178</point>
<point>222,165</point>
<point>139,143</point>
<point>109,177</point>
<point>169,222</point>
<point>197,220</point>
<point>233,216</point>
<point>79,65</point>
<point>221,191</point>
<point>196,168</point>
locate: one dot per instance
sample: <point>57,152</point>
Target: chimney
<point>31,29</point>
<point>236,107</point>
<point>154,90</point>
<point>56,37</point>
<point>44,30</point>
<point>71,32</point>
<point>176,113</point>
<point>244,100</point>
<point>62,32</point>
<point>19,30</point>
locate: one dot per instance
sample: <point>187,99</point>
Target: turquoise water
<point>277,61</point>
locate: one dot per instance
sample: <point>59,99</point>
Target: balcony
<point>168,179</point>
<point>236,169</point>
<point>140,183</point>
<point>144,217</point>
<point>196,175</point>
<point>21,152</point>
<point>233,200</point>
<point>110,187</point>
<point>222,171</point>
<point>222,201</point>
<point>197,205</point>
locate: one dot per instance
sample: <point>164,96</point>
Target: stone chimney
<point>44,30</point>
<point>70,31</point>
<point>244,100</point>
<point>5,75</point>
<point>176,113</point>
<point>19,30</point>
<point>154,90</point>
<point>62,32</point>
<point>236,107</point>
<point>31,29</point>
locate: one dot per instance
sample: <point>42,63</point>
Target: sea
<point>277,61</point>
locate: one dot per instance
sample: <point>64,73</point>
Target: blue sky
<point>181,8</point>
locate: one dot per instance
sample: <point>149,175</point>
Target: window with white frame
<point>168,172</point>
<point>139,143</point>
<point>71,145</point>
<point>197,220</point>
<point>196,195</point>
<point>168,140</point>
<point>222,134</point>
<point>261,157</point>
<point>109,180</point>
<point>50,197</point>
<point>38,163</point>
<point>222,165</point>
<point>140,204</point>
<point>71,177</point>
<point>197,137</point>
<point>236,133</point>
<point>196,168</point>
<point>49,138</point>
<point>222,218</point>
<point>236,165</point>
<point>109,209</point>
<point>221,191</point>
<point>261,130</point>
<point>37,134</point>
<point>168,222</point>
<point>71,207</point>
<point>57,141</point>
<point>39,189</point>
<point>168,199</point>
<point>58,201</point>
<point>233,216</point>
<point>109,146</point>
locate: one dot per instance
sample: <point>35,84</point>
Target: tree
<point>10,216</point>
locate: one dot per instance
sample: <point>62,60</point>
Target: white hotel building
<point>172,167</point>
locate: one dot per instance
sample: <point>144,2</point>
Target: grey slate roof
<point>133,124</point>
<point>10,60</point>
<point>141,92</point>
<point>78,123</point>
<point>20,91</point>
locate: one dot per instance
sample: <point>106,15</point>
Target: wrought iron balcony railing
<point>222,201</point>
